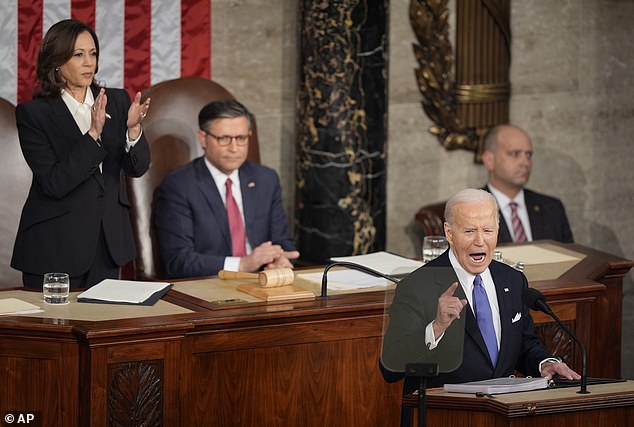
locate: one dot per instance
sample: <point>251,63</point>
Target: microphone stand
<point>536,301</point>
<point>422,371</point>
<point>584,374</point>
<point>324,281</point>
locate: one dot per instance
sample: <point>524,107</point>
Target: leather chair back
<point>170,128</point>
<point>432,218</point>
<point>15,181</point>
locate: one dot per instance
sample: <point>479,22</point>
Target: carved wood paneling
<point>557,341</point>
<point>135,394</point>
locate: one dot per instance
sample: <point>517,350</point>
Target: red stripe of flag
<point>196,38</point>
<point>29,38</point>
<point>136,57</point>
<point>83,10</point>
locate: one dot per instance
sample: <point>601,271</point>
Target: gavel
<point>267,279</point>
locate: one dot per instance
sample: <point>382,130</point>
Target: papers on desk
<point>9,306</point>
<point>533,254</point>
<point>499,385</point>
<point>342,280</point>
<point>112,291</point>
<point>383,262</point>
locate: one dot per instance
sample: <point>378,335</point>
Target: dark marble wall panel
<point>341,134</point>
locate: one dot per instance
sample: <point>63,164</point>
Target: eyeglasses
<point>224,140</point>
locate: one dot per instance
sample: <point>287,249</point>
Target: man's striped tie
<point>519,236</point>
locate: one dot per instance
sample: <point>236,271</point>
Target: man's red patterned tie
<point>519,236</point>
<point>238,237</point>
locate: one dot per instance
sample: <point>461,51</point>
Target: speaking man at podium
<point>499,336</point>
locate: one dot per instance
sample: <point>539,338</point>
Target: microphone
<point>363,268</point>
<point>535,300</point>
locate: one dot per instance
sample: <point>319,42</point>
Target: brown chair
<point>170,128</point>
<point>431,217</point>
<point>14,187</point>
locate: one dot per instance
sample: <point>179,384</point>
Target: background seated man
<point>220,211</point>
<point>499,336</point>
<point>528,215</point>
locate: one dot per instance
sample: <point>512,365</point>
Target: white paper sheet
<point>340,280</point>
<point>383,262</point>
<point>10,306</point>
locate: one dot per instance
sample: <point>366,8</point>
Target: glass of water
<point>56,288</point>
<point>433,246</point>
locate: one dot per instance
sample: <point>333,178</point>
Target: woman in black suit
<point>77,138</point>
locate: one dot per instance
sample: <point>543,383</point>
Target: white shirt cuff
<point>550,359</point>
<point>430,341</point>
<point>232,263</point>
<point>130,143</point>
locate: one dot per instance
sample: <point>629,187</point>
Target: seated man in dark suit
<point>526,215</point>
<point>221,211</point>
<point>499,336</point>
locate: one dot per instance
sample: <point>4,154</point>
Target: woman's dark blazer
<point>70,198</point>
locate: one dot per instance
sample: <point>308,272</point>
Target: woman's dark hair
<point>58,46</point>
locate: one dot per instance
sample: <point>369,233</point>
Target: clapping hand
<point>136,114</point>
<point>98,115</point>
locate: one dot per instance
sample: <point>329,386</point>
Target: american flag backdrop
<point>142,42</point>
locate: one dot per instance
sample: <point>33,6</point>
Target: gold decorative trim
<point>435,78</point>
<point>462,112</point>
<point>483,93</point>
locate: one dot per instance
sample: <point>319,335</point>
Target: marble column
<point>342,128</point>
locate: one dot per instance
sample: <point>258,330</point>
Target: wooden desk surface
<point>88,311</point>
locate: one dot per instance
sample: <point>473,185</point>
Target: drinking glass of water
<point>56,288</point>
<point>433,246</point>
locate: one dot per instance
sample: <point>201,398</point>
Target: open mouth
<point>478,257</point>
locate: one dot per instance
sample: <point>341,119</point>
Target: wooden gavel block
<point>267,279</point>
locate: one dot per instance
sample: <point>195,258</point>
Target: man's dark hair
<point>58,46</point>
<point>222,109</point>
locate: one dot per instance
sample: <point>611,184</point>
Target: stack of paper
<point>111,291</point>
<point>499,385</point>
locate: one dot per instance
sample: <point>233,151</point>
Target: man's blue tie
<point>482,309</point>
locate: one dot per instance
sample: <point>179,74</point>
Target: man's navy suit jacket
<point>547,216</point>
<point>191,219</point>
<point>520,347</point>
<point>70,199</point>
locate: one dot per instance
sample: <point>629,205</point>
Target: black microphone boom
<point>535,300</point>
<point>324,281</point>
